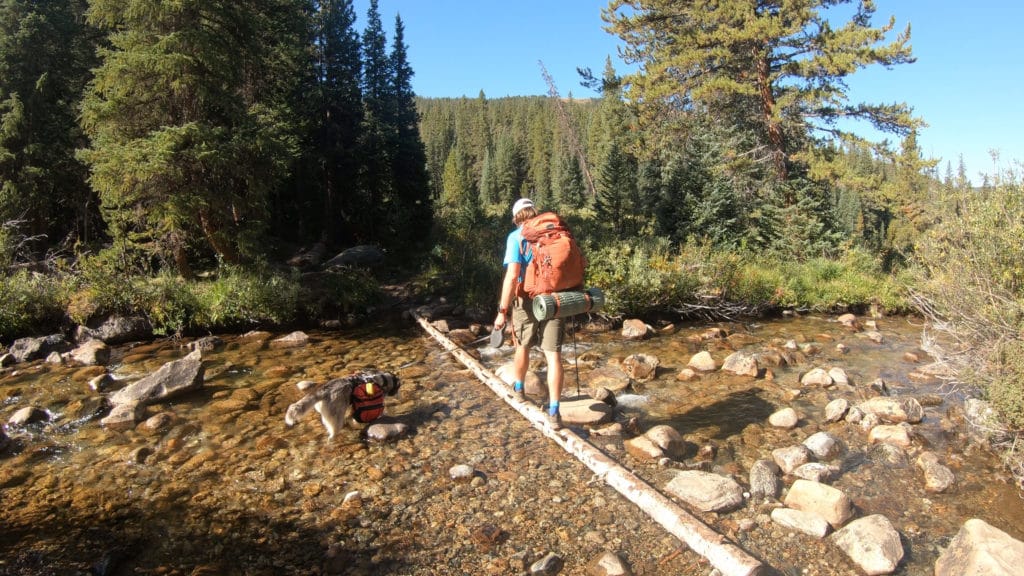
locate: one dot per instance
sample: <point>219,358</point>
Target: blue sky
<point>966,84</point>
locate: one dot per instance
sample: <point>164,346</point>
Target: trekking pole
<point>575,354</point>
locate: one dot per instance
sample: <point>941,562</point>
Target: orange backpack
<point>557,264</point>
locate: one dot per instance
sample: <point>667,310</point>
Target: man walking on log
<point>526,329</point>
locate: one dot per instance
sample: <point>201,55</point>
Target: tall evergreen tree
<point>189,123</point>
<point>46,51</point>
<point>412,211</point>
<point>333,155</point>
<point>375,179</point>
<point>778,67</point>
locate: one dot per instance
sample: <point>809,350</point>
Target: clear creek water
<point>222,486</point>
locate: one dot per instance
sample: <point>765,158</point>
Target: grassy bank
<point>229,299</point>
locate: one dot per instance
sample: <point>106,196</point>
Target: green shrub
<point>1006,389</point>
<point>170,304</point>
<point>30,303</point>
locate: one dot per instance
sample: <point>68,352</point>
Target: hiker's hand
<point>499,321</point>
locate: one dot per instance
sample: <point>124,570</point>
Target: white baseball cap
<point>521,204</point>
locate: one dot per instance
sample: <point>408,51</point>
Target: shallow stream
<point>222,486</point>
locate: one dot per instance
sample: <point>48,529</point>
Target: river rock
<point>27,416</point>
<point>549,565</point>
<point>839,377</point>
<point>836,409</point>
<point>610,377</point>
<point>634,329</point>
<point>702,362</point>
<point>643,448</point>
<point>123,416</point>
<point>823,445</point>
<point>804,522</point>
<point>294,339</point>
<point>790,458</point>
<point>608,564</point>
<point>872,543</point>
<point>816,377</point>
<point>705,491</point>
<point>641,367</point>
<point>742,364</point>
<point>116,329</point>
<point>830,503</point>
<point>172,379</point>
<point>937,477</point>
<point>893,409</point>
<point>817,472</point>
<point>875,336</point>
<point>5,442</point>
<point>980,548</point>
<point>850,321</point>
<point>532,384</point>
<point>34,348</point>
<point>92,353</point>
<point>206,344</point>
<point>765,479</point>
<point>668,440</point>
<point>586,412</point>
<point>786,418</point>
<point>895,434</point>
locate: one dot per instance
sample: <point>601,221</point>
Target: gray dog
<point>360,396</point>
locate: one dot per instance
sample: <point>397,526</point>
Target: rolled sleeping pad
<point>565,304</point>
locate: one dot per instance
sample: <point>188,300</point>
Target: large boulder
<point>172,379</point>
<point>116,330</point>
<point>980,548</point>
<point>705,491</point>
<point>363,256</point>
<point>26,349</point>
<point>830,503</point>
<point>873,544</point>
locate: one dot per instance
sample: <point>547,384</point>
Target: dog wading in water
<point>359,396</point>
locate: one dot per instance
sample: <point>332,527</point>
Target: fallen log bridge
<point>724,555</point>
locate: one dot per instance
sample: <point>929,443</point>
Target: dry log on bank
<point>729,558</point>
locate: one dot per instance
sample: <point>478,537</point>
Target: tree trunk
<point>214,236</point>
<point>727,557</point>
<point>767,109</point>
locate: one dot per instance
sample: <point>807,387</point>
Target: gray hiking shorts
<point>527,329</point>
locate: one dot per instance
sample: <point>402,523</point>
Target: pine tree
<point>375,181</point>
<point>333,154</point>
<point>778,67</point>
<point>412,204</point>
<point>46,51</point>
<point>189,123</point>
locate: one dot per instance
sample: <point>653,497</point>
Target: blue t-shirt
<point>514,250</point>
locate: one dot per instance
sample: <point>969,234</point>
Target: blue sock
<point>517,385</point>
<point>553,408</point>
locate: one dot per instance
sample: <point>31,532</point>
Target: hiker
<point>526,329</point>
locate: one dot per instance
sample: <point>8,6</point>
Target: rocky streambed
<point>213,482</point>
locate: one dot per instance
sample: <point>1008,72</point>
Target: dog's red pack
<point>367,401</point>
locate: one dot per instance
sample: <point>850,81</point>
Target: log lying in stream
<point>729,558</point>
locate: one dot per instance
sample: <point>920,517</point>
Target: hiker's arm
<point>505,303</point>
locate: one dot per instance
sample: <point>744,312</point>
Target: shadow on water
<point>79,541</point>
<point>729,415</point>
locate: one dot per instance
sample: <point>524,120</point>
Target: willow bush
<point>971,282</point>
<point>650,277</point>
